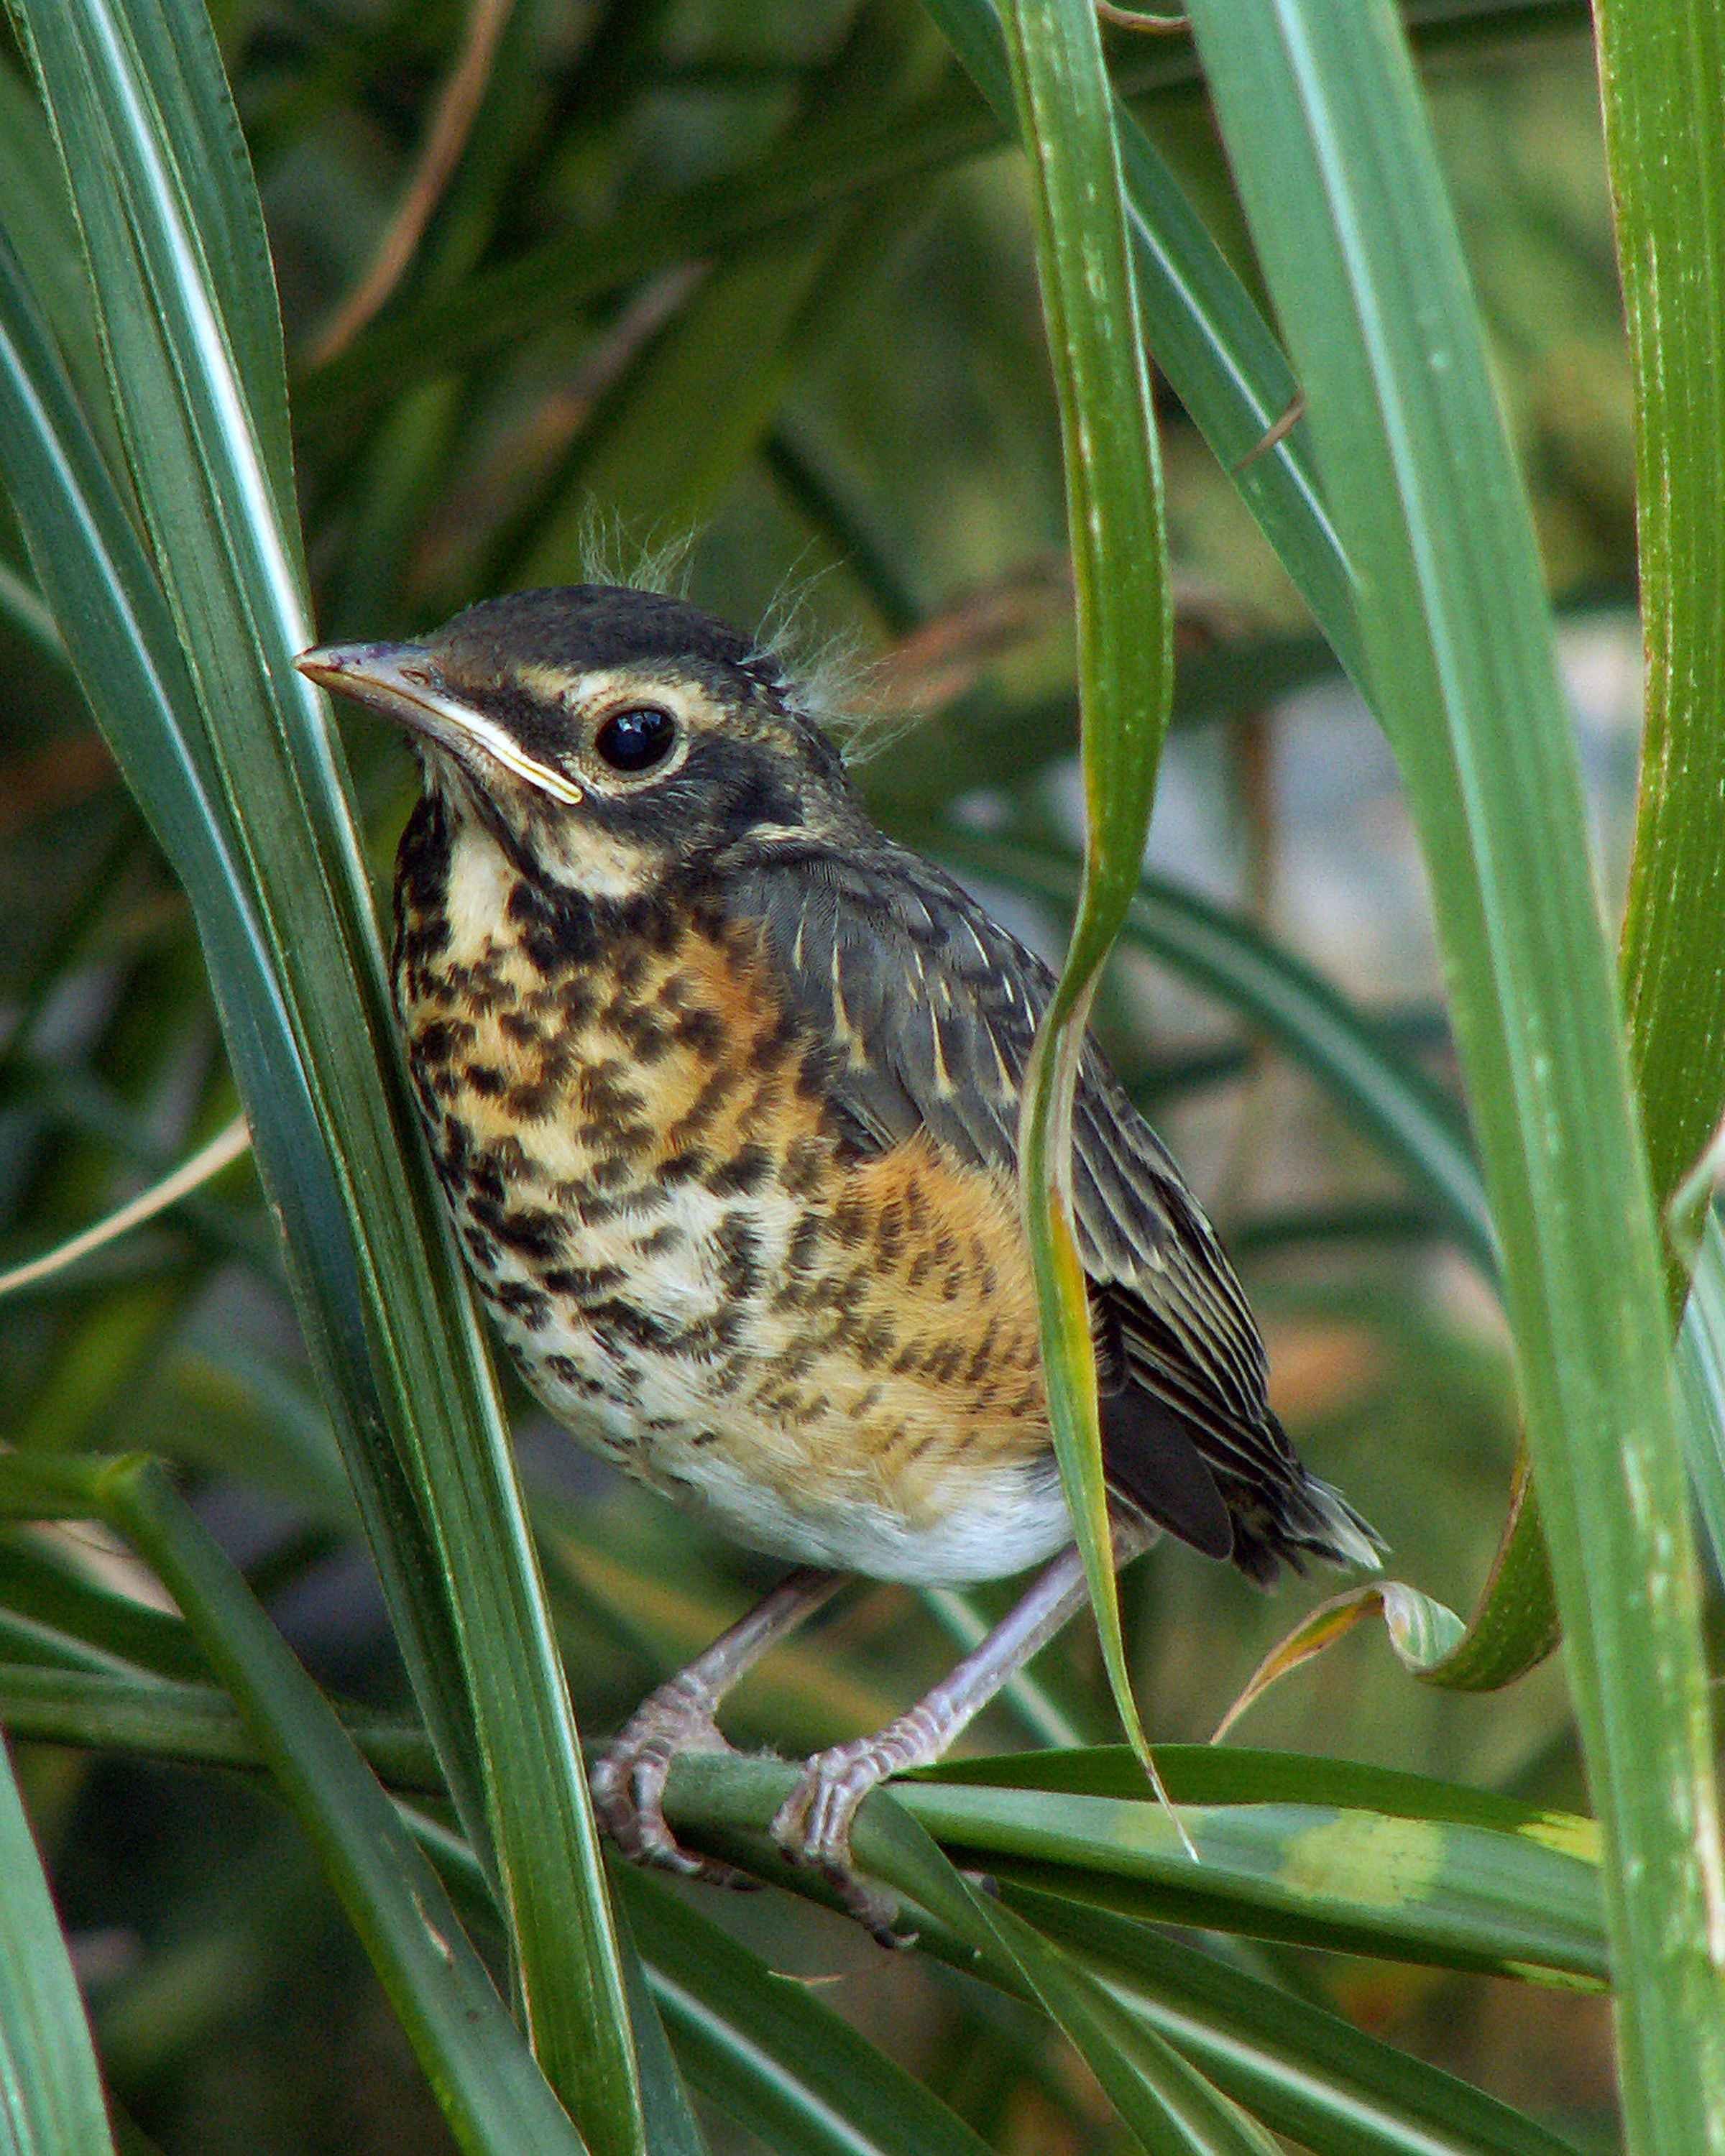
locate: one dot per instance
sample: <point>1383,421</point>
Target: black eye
<point>637,739</point>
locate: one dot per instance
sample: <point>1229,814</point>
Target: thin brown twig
<point>224,1149</point>
<point>1154,26</point>
<point>1278,431</point>
<point>941,657</point>
<point>451,123</point>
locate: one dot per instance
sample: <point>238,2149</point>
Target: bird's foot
<point>812,1827</point>
<point>627,1781</point>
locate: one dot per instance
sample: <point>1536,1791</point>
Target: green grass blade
<point>1308,2073</point>
<point>403,1352</point>
<point>50,2087</point>
<point>1700,1358</point>
<point>1168,2105</point>
<point>769,2051</point>
<point>497,2102</point>
<point>1448,1892</point>
<point>1325,127</point>
<point>177,65</point>
<point>122,641</point>
<point>1209,340</point>
<point>1662,73</point>
<point>1126,666</point>
<point>1320,1853</point>
<point>195,1724</point>
<point>1458,1884</point>
<point>37,1582</point>
<point>1382,1089</point>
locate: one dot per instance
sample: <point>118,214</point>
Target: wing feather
<point>936,1007</point>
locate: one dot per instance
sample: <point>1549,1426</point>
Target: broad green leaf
<point>50,2087</point>
<point>1332,147</point>
<point>1125,667</point>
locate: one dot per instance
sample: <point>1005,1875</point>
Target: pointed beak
<point>395,679</point>
<point>401,682</point>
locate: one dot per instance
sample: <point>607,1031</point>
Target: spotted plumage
<point>722,1086</point>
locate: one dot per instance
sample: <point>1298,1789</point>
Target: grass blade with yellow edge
<point>1125,632</point>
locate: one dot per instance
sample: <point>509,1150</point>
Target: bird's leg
<point>813,1825</point>
<point>628,1779</point>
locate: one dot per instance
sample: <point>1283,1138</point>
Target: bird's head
<point>602,735</point>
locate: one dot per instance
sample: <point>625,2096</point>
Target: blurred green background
<point>844,415</point>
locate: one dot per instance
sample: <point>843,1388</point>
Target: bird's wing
<point>933,1009</point>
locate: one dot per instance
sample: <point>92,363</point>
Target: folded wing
<point>933,1009</point>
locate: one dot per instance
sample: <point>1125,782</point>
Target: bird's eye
<point>636,739</point>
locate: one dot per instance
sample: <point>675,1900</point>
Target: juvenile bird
<point>722,1087</point>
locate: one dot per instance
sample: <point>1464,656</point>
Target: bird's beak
<point>400,682</point>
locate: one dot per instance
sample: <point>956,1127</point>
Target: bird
<point>721,1086</point>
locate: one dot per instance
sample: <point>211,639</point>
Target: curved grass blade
<point>497,2102</point>
<point>1332,149</point>
<point>1308,2073</point>
<point>50,2087</point>
<point>1126,661</point>
<point>407,1359</point>
<point>769,2051</point>
<point>1209,339</point>
<point>1662,78</point>
<point>1423,1633</point>
<point>1417,1125</point>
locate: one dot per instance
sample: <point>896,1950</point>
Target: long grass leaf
<point>496,2101</point>
<point>1662,75</point>
<point>50,2087</point>
<point>1308,2073</point>
<point>1324,123</point>
<point>1126,663</point>
<point>408,1355</point>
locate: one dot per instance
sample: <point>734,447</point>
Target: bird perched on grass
<point>722,1087</point>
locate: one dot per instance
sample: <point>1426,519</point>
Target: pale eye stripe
<point>496,743</point>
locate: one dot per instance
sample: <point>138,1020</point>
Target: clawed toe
<point>628,1782</point>
<point>812,1828</point>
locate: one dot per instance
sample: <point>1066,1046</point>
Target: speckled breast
<point>702,1270</point>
